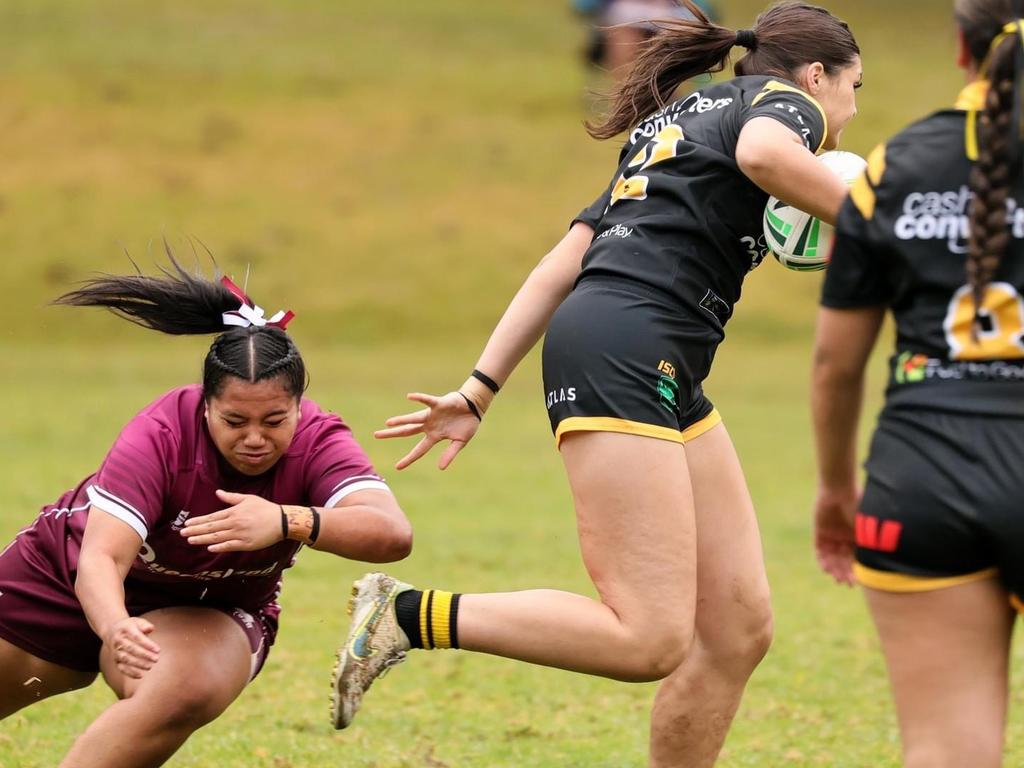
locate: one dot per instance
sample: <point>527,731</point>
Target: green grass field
<point>391,172</point>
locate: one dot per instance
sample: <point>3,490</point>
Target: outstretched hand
<point>834,533</point>
<point>249,523</point>
<point>445,418</point>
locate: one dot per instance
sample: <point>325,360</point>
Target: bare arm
<point>774,158</point>
<point>109,547</point>
<point>529,312</point>
<point>449,417</point>
<point>842,346</point>
<point>366,525</point>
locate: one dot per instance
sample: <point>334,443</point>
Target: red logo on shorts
<point>872,533</point>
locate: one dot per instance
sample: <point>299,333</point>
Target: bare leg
<point>26,679</point>
<point>635,516</point>
<point>204,664</point>
<point>948,657</point>
<point>696,704</point>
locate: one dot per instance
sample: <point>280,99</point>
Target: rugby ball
<point>798,240</point>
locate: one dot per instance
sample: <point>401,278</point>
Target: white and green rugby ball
<point>798,240</point>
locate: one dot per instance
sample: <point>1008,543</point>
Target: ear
<point>814,77</point>
<point>963,53</point>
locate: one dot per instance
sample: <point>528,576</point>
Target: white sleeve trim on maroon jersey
<point>353,484</point>
<point>119,508</point>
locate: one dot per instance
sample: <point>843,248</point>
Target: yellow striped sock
<point>424,619</point>
<point>440,619</point>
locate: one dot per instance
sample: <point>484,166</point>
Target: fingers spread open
<point>416,453</point>
<point>420,397</point>
<point>449,453</point>
<point>411,429</point>
<point>408,418</point>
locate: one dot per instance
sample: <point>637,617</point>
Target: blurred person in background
<point>634,301</point>
<point>620,27</point>
<point>162,569</point>
<point>933,233</point>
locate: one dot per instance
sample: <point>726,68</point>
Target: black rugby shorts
<point>619,358</point>
<point>944,502</point>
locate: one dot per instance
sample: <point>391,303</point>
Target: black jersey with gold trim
<point>901,241</point>
<point>679,216</point>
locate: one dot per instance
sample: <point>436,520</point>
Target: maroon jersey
<point>164,469</point>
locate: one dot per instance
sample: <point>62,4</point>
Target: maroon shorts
<point>40,613</point>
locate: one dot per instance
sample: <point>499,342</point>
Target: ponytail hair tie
<point>746,38</point>
<point>249,313</point>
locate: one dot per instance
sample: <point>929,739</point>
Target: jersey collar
<point>972,101</point>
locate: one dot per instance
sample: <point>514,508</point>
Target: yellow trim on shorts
<point>627,427</point>
<point>698,428</point>
<point>887,581</point>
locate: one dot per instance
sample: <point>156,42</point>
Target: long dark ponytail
<point>982,22</point>
<point>178,302</point>
<point>784,38</point>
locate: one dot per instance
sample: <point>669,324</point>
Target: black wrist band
<point>472,407</point>
<point>284,524</point>
<point>487,381</point>
<point>315,530</point>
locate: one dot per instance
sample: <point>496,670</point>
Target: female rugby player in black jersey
<point>934,231</point>
<point>634,300</point>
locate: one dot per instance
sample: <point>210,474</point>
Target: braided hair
<point>994,170</point>
<point>177,302</point>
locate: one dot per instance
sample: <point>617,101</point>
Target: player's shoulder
<point>944,128</point>
<point>755,88</point>
<point>316,425</point>
<point>931,147</point>
<point>171,415</point>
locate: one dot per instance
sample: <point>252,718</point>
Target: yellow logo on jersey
<point>663,146</point>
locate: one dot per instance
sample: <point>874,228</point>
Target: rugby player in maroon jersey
<point>162,569</point>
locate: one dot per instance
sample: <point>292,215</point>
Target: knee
<point>187,708</point>
<point>658,653</point>
<point>738,646</point>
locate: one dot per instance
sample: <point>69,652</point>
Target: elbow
<point>830,372</point>
<point>401,546</point>
<point>84,566</point>
<point>756,162</point>
<point>397,544</point>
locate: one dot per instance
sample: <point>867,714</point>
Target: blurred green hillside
<point>391,172</point>
<point>388,170</point>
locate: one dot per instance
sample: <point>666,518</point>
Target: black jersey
<point>901,241</point>
<point>679,216</point>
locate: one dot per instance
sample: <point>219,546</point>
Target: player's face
<point>252,425</point>
<point>838,97</point>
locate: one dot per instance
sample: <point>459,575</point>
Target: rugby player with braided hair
<point>162,569</point>
<point>633,303</point>
<point>934,233</point>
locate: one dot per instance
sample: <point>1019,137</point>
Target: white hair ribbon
<point>249,314</point>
